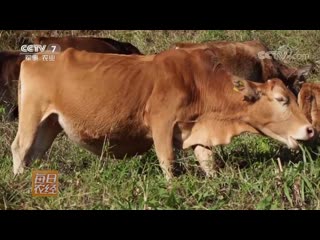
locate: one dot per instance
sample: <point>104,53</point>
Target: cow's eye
<point>282,100</point>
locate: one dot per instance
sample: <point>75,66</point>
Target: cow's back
<point>242,59</point>
<point>110,89</point>
<point>98,45</point>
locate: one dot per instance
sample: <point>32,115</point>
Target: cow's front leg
<point>206,160</point>
<point>162,133</point>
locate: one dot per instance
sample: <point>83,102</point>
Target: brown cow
<point>10,63</point>
<point>250,61</point>
<point>9,74</point>
<point>176,98</point>
<point>309,102</point>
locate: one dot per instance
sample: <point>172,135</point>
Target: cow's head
<point>273,111</point>
<point>244,59</point>
<point>295,77</point>
<point>309,103</point>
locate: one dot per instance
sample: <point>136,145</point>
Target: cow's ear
<point>303,72</point>
<point>297,74</point>
<point>298,77</point>
<point>248,89</point>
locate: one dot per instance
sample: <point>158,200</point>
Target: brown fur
<point>309,102</point>
<point>241,59</point>
<point>10,63</point>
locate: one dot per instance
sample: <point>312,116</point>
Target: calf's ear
<point>298,77</point>
<point>248,89</point>
<point>303,72</point>
<point>291,73</point>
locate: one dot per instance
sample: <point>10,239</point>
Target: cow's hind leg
<point>33,139</point>
<point>46,133</point>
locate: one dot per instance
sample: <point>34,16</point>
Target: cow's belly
<point>129,141</point>
<point>117,148</point>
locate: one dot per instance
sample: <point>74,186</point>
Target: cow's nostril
<point>310,132</point>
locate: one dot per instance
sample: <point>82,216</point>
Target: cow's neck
<point>222,114</point>
<point>219,99</point>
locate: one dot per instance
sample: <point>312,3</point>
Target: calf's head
<point>309,103</point>
<point>273,111</point>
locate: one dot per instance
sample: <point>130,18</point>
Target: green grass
<point>248,178</point>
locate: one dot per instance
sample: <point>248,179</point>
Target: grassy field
<point>255,172</point>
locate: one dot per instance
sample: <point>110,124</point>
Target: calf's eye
<point>283,100</point>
